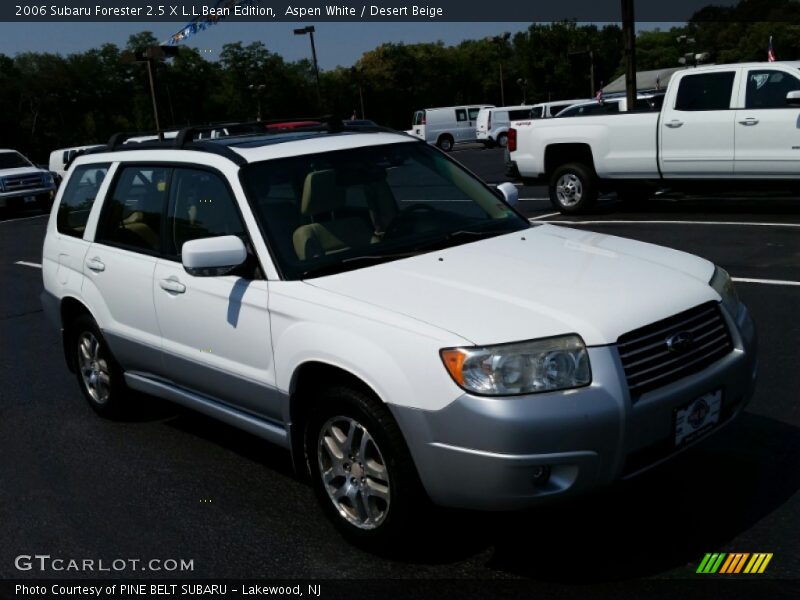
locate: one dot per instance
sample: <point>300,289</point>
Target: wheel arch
<point>307,378</point>
<point>556,155</point>
<point>70,309</point>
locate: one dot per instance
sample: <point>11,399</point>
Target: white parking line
<point>25,263</point>
<point>624,222</point>
<point>24,219</point>
<point>766,281</point>
<point>543,216</point>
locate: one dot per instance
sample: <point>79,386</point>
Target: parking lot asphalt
<point>175,484</point>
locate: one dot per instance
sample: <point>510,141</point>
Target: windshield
<point>13,160</point>
<point>337,211</point>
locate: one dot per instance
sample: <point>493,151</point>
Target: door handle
<point>96,265</point>
<point>675,123</point>
<point>749,121</point>
<point>172,285</point>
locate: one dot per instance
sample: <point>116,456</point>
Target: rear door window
<point>132,214</point>
<point>705,91</point>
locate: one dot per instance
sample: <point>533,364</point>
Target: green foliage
<point>49,101</point>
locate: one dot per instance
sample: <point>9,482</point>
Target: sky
<point>337,43</point>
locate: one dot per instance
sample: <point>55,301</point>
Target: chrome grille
<point>15,183</point>
<point>651,363</point>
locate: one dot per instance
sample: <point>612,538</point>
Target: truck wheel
<point>99,376</point>
<point>361,470</point>
<point>502,140</point>
<point>573,188</point>
<point>445,142</point>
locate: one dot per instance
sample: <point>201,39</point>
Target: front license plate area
<point>697,417</point>
<point>30,199</point>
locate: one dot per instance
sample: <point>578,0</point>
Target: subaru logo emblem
<point>680,342</point>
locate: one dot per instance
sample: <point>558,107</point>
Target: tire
<point>99,376</point>
<point>370,491</point>
<point>573,188</point>
<point>445,143</point>
<point>502,140</point>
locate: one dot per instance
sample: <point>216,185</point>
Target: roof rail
<point>185,138</point>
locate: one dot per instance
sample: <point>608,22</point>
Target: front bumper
<point>18,198</point>
<point>485,453</point>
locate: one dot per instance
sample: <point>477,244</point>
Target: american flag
<point>770,51</point>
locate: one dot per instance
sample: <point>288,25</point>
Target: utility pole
<point>629,43</point>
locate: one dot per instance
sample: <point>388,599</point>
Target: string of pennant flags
<point>201,23</point>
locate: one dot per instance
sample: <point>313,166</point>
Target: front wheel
<point>573,188</point>
<point>361,469</point>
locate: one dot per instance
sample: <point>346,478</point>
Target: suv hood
<point>21,171</point>
<point>534,283</point>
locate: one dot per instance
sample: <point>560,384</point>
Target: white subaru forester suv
<point>358,297</point>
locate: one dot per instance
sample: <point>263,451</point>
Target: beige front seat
<point>328,233</point>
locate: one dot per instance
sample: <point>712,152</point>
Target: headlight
<point>723,285</point>
<point>2,186</point>
<point>49,179</point>
<point>545,365</point>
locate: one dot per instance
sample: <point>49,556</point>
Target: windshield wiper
<point>354,262</point>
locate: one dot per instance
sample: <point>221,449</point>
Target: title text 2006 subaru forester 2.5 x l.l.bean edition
<point>358,297</point>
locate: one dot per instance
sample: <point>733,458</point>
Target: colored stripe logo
<point>735,563</point>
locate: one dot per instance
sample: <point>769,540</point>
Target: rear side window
<point>705,91</point>
<point>132,214</point>
<point>519,115</point>
<point>201,206</point>
<point>461,114</point>
<point>78,198</point>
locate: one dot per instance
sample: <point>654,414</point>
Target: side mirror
<point>213,256</point>
<point>793,98</point>
<point>510,193</point>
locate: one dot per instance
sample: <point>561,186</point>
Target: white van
<point>546,110</point>
<point>493,123</point>
<point>447,125</point>
<point>60,158</point>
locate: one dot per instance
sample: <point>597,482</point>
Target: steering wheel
<point>404,218</point>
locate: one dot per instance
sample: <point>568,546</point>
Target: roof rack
<point>186,138</point>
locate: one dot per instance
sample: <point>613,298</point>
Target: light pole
<point>257,89</point>
<point>523,83</point>
<point>151,55</point>
<point>501,41</point>
<point>629,43</point>
<point>590,52</point>
<point>310,31</point>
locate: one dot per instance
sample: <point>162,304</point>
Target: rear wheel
<point>361,469</point>
<point>445,142</point>
<point>99,376</point>
<point>573,188</point>
<point>502,140</point>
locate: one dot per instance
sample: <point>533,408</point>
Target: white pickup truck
<point>722,126</point>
